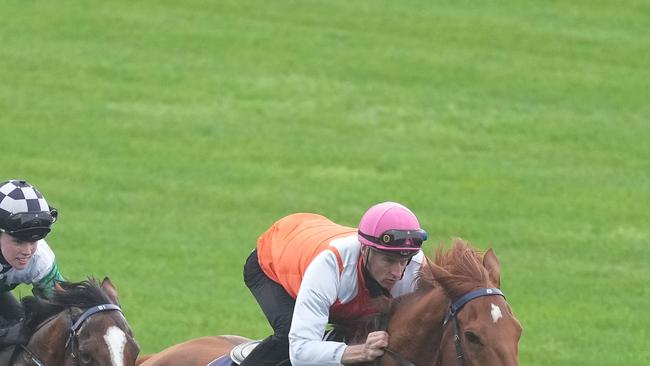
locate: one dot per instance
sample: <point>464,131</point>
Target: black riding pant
<point>11,327</point>
<point>277,305</point>
<point>10,308</point>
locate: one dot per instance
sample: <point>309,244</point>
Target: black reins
<point>380,322</point>
<point>399,358</point>
<point>72,340</point>
<point>454,308</point>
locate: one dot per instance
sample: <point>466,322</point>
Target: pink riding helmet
<point>390,226</point>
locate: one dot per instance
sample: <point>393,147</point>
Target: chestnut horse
<point>82,325</point>
<point>457,316</point>
<point>198,351</point>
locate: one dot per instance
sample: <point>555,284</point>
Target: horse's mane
<point>84,294</point>
<point>464,270</point>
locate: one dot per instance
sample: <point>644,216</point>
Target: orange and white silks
<point>318,262</point>
<point>287,248</point>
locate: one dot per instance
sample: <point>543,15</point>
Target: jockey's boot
<point>270,352</point>
<point>13,334</point>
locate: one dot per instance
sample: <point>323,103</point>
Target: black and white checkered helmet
<point>24,213</point>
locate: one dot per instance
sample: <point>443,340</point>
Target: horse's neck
<point>416,331</point>
<point>441,304</point>
<point>48,342</point>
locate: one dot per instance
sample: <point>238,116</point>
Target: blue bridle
<point>74,329</point>
<point>454,308</point>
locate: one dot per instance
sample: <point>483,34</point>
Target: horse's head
<point>458,316</point>
<point>480,317</point>
<point>83,325</point>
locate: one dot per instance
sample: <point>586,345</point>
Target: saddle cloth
<point>222,361</point>
<point>236,356</point>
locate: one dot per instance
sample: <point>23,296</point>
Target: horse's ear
<point>110,289</point>
<point>491,263</point>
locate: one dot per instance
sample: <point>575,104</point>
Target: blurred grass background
<point>171,134</point>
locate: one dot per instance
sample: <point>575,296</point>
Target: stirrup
<point>241,351</point>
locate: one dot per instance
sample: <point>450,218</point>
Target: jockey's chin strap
<point>72,340</point>
<point>455,308</point>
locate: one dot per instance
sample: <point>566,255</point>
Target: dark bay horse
<point>82,325</point>
<point>457,316</point>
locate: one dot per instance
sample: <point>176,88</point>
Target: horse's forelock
<point>82,294</point>
<point>465,270</point>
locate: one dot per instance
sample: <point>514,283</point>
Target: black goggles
<point>30,226</point>
<point>398,238</point>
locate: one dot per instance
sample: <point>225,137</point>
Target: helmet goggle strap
<point>29,226</point>
<point>375,289</point>
<point>397,238</point>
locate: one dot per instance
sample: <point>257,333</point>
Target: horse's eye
<point>85,358</point>
<point>473,338</point>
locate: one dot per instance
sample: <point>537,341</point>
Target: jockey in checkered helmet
<point>24,212</point>
<point>25,258</point>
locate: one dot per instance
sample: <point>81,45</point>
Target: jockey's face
<point>16,252</point>
<point>385,268</point>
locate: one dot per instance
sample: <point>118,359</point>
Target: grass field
<point>170,134</point>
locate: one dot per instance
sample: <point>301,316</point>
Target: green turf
<point>170,134</point>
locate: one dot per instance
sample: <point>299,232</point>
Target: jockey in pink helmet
<point>392,228</point>
<point>308,271</point>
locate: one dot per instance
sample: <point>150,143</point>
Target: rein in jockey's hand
<point>369,351</point>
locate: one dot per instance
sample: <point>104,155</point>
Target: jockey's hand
<point>375,344</point>
<point>369,351</point>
